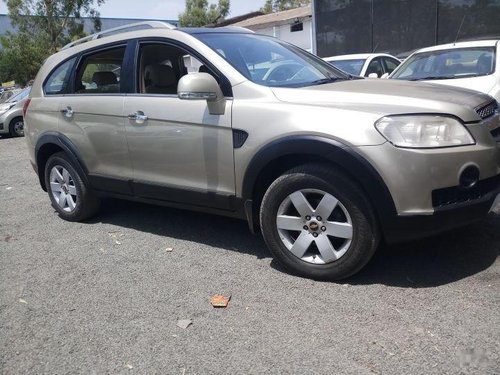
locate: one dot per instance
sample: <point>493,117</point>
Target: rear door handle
<point>67,112</point>
<point>139,117</point>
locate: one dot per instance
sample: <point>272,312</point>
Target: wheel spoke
<point>300,203</point>
<point>65,176</point>
<point>55,187</point>
<point>326,206</point>
<point>339,230</point>
<point>290,223</point>
<point>72,190</point>
<point>326,248</point>
<point>59,177</point>
<point>71,202</point>
<point>301,244</point>
<point>62,200</point>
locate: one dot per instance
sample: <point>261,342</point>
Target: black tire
<point>16,127</point>
<point>314,178</point>
<point>86,204</point>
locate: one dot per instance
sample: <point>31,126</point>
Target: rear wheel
<point>318,224</point>
<point>70,196</point>
<point>16,127</point>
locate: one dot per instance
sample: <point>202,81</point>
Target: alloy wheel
<point>314,226</point>
<point>62,187</point>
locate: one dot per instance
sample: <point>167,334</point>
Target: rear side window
<point>57,83</point>
<point>99,73</point>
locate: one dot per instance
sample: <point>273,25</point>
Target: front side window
<point>390,64</point>
<point>162,65</point>
<point>448,64</point>
<point>57,83</point>
<point>270,62</point>
<point>375,67</point>
<point>99,73</point>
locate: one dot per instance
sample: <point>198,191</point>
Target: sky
<point>160,9</point>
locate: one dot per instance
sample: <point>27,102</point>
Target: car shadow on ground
<point>428,262</point>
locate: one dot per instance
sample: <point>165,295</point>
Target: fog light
<point>469,176</point>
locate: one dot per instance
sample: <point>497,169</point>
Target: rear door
<point>179,151</point>
<point>92,118</point>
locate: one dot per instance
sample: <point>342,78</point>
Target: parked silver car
<point>11,114</point>
<point>323,164</point>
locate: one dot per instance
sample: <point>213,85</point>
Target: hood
<point>483,84</point>
<point>386,97</point>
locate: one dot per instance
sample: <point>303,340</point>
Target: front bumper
<point>448,216</point>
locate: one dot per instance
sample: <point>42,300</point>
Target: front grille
<point>487,110</point>
<point>457,194</point>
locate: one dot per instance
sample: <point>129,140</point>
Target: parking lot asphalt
<point>106,296</point>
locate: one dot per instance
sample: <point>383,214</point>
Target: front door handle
<point>139,117</point>
<point>67,112</point>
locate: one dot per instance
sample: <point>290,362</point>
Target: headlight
<point>425,131</point>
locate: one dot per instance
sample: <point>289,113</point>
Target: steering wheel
<point>282,71</point>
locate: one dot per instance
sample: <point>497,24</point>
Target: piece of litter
<point>22,301</point>
<point>184,323</point>
<point>9,188</point>
<point>130,367</point>
<point>219,300</point>
<point>169,249</point>
<point>118,242</point>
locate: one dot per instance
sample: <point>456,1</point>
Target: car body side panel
<point>181,144</point>
<point>97,129</point>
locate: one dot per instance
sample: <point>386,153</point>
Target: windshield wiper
<point>432,78</point>
<point>325,80</point>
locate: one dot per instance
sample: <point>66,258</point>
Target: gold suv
<point>324,164</point>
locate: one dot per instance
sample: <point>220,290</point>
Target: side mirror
<point>385,76</point>
<point>202,86</point>
<point>373,75</point>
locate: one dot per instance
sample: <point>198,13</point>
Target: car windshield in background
<point>448,64</point>
<point>23,94</point>
<point>353,66</point>
<point>269,62</point>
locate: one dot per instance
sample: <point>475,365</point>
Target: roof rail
<point>121,29</point>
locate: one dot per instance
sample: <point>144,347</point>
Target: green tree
<point>58,21</point>
<point>199,13</point>
<point>280,5</point>
<point>21,57</point>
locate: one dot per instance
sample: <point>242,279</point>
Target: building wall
<point>400,26</point>
<point>302,39</point>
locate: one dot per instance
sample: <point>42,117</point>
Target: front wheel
<point>70,196</point>
<point>16,127</point>
<point>318,224</point>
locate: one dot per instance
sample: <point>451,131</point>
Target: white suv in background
<point>472,65</point>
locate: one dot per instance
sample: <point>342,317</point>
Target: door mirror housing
<point>373,75</point>
<point>202,86</point>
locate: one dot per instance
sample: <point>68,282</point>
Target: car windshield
<point>352,66</point>
<point>20,96</point>
<point>270,62</point>
<point>448,64</point>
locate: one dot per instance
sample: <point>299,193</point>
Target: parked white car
<point>473,65</point>
<point>373,65</point>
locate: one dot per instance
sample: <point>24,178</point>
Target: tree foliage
<point>20,58</point>
<point>56,20</point>
<point>43,26</point>
<point>280,5</point>
<point>200,13</point>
